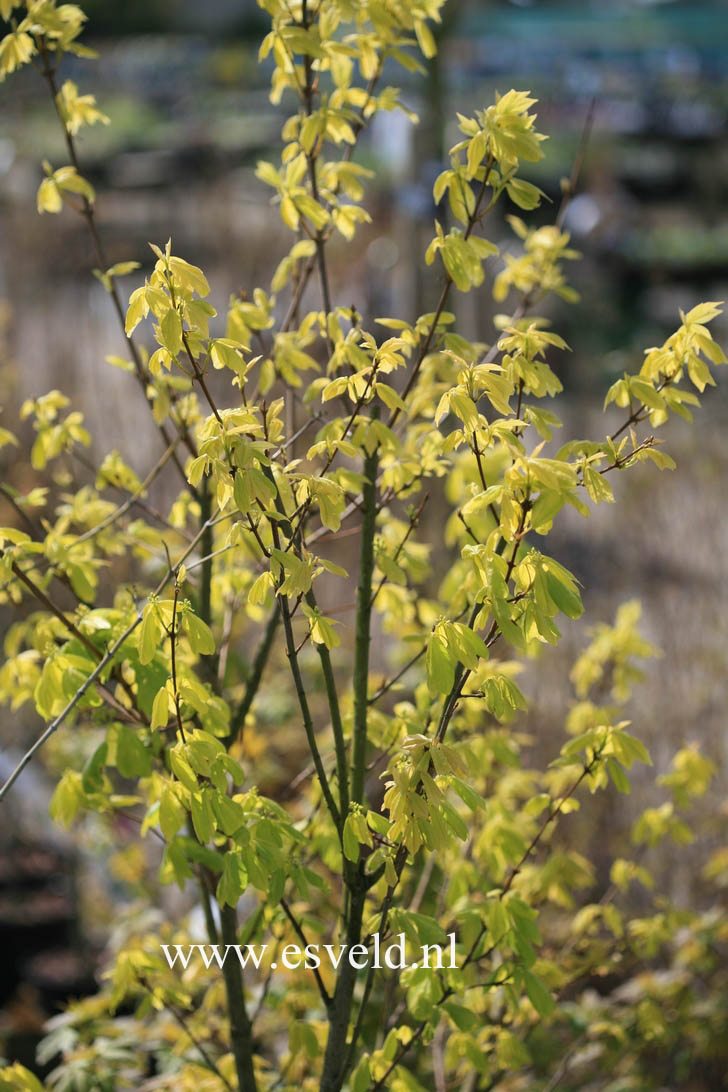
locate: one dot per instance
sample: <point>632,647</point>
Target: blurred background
<point>190,116</point>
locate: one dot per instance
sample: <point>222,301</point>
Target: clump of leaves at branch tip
<point>199,659</point>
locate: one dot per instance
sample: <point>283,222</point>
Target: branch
<point>414,520</point>
<point>106,659</point>
<point>254,678</point>
<point>342,771</point>
<point>34,532</point>
<point>132,499</point>
<point>472,220</point>
<point>470,957</point>
<point>84,640</point>
<point>363,626</point>
<point>325,997</point>
<point>310,265</point>
<point>180,1019</point>
<point>463,674</point>
<point>173,644</point>
<point>241,1032</point>
<point>306,714</point>
<point>56,611</point>
<point>88,213</point>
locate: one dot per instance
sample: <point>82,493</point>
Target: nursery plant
<point>172,655</point>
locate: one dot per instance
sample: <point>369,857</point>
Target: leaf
<point>473,641</point>
<point>508,628</point>
<point>566,598</point>
<point>132,757</point>
<point>226,354</point>
<point>289,213</point>
<point>68,178</point>
<point>202,819</point>
<point>704,312</point>
<point>136,311</point>
<point>160,710</point>
<point>335,388</point>
<point>597,486</point>
<point>627,749</point>
<point>511,1052</point>
<point>171,332</point>
<point>189,276</point>
<point>92,776</point>
<point>199,634</point>
<point>182,769</point>
<point>454,821</point>
<point>66,799</point>
<point>646,393</point>
<point>618,776</point>
<point>425,38</point>
<point>229,814</point>
<point>438,192</point>
<point>149,633</point>
<point>231,885</point>
<point>524,194</point>
<point>440,666</point>
<point>312,210</point>
<point>463,1019</point>
<point>20,1079</point>
<point>351,842</point>
<point>15,50</point>
<point>49,197</point>
<point>121,269</point>
<point>260,589</point>
<point>539,996</point>
<point>171,812</point>
<point>48,691</point>
<point>469,796</point>
<point>362,1076</point>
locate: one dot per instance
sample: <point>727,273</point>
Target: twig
<point>180,1019</point>
<point>173,646</point>
<point>364,602</point>
<point>241,1032</point>
<point>40,595</point>
<point>20,511</point>
<point>88,213</point>
<point>252,685</point>
<point>104,662</point>
<point>325,996</point>
<point>570,189</point>
<point>131,500</point>
<point>472,221</point>
<point>414,520</point>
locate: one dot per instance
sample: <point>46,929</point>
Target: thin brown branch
<point>298,929</point>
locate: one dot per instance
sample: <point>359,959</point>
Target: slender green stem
<point>254,678</point>
<point>107,659</point>
<point>88,212</point>
<point>363,625</point>
<point>210,925</point>
<point>206,549</point>
<point>334,1070</point>
<point>205,900</point>
<point>173,656</point>
<point>425,347</point>
<point>306,714</point>
<point>180,1018</point>
<point>241,1031</point>
<point>134,713</point>
<point>342,769</point>
<point>298,929</point>
<point>292,653</point>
